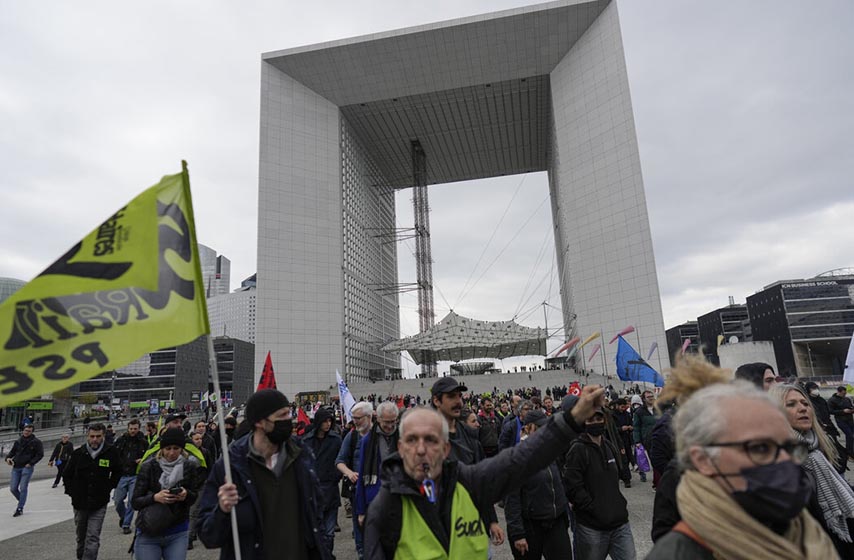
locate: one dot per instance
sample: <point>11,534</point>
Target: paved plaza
<point>46,530</point>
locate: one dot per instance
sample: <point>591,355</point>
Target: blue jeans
<point>358,538</point>
<point>169,547</point>
<point>591,544</point>
<point>19,484</point>
<point>847,429</point>
<point>124,491</point>
<point>330,518</point>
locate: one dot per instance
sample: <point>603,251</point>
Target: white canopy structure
<point>457,338</point>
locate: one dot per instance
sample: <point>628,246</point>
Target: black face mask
<point>229,431</point>
<point>595,429</point>
<point>775,494</point>
<point>282,430</point>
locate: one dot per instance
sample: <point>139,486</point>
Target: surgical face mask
<point>814,392</point>
<point>595,429</point>
<point>281,431</point>
<point>775,494</point>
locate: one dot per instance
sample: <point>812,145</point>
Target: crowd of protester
<point>742,468</point>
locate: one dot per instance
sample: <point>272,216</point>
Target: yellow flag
<point>590,338</point>
<point>131,286</point>
<point>720,340</point>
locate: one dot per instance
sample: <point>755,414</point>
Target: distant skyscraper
<point>9,286</point>
<point>216,271</point>
<point>233,314</point>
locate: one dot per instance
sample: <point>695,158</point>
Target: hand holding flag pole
<point>226,459</point>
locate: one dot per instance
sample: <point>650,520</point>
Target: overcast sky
<point>744,114</point>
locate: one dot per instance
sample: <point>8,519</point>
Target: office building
<point>345,124</point>
<point>810,322</point>
<point>721,326</point>
<point>676,337</point>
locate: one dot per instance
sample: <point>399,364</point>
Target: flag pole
<point>604,361</point>
<point>226,460</point>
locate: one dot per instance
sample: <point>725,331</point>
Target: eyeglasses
<point>766,451</point>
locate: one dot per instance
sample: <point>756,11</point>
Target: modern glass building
<point>180,374</point>
<point>810,322</point>
<point>216,271</point>
<point>9,286</point>
<point>727,322</point>
<point>676,337</point>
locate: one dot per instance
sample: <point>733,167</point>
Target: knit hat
<point>173,436</point>
<point>263,403</point>
<point>537,417</point>
<point>636,399</point>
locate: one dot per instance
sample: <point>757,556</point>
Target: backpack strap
<point>682,527</point>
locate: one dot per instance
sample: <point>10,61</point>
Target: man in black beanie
<point>269,470</point>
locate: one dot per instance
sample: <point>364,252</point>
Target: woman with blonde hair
<point>832,503</point>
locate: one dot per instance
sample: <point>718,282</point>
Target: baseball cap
<point>446,385</point>
<point>173,417</point>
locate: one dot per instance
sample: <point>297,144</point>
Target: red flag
<point>574,388</point>
<point>268,378</point>
<point>302,418</point>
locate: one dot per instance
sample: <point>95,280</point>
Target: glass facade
<point>726,321</point>
<point>676,337</point>
<point>9,286</point>
<point>371,317</point>
<point>810,323</point>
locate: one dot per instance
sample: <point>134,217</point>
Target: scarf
<point>94,452</point>
<point>733,534</point>
<point>835,497</point>
<point>172,473</point>
<point>371,460</point>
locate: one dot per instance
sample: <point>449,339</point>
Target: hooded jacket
<point>592,475</point>
<point>325,451</point>
<point>486,482</point>
<point>214,526</point>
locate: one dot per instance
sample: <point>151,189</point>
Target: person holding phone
<point>166,487</point>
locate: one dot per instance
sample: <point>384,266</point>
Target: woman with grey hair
<point>833,500</point>
<point>743,493</point>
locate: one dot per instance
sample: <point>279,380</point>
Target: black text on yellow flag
<point>133,285</point>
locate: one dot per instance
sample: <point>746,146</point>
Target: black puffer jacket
<point>542,497</point>
<point>592,475</point>
<point>148,484</point>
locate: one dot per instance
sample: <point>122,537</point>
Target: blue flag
<point>631,367</point>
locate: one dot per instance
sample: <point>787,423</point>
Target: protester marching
<point>742,466</point>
